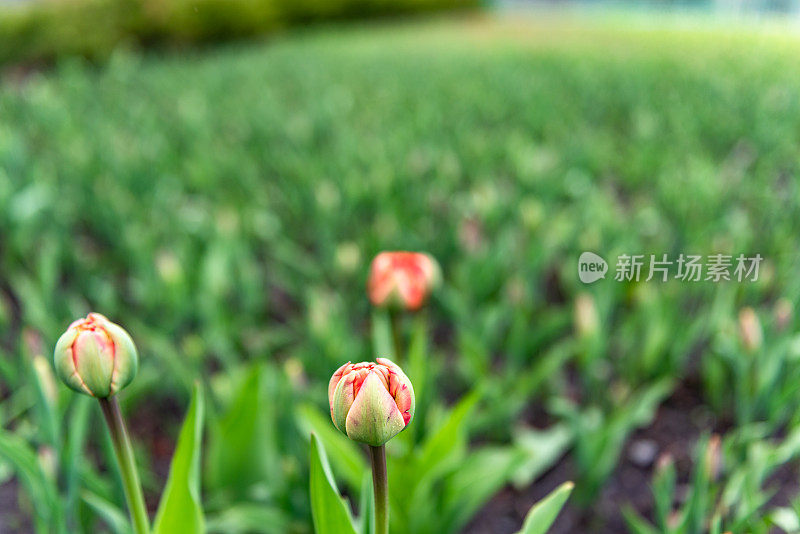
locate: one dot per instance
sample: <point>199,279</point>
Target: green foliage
<point>729,489</point>
<point>223,207</point>
<point>181,507</point>
<point>544,513</point>
<point>465,489</point>
<point>329,510</point>
<point>93,28</point>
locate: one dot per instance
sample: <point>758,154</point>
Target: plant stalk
<point>380,483</point>
<point>127,465</point>
<point>396,326</point>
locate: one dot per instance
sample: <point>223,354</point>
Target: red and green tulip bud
<point>371,402</point>
<point>402,279</point>
<point>96,357</point>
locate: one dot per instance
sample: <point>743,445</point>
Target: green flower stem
<point>127,464</point>
<point>380,482</point>
<point>396,327</point>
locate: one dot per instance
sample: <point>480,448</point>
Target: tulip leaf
<point>544,513</point>
<point>367,506</point>
<point>637,524</point>
<point>541,449</point>
<point>328,509</point>
<point>448,443</point>
<point>346,457</point>
<point>114,517</point>
<point>27,467</point>
<point>181,509</point>
<point>481,474</point>
<point>72,458</point>
<point>248,519</point>
<point>241,448</point>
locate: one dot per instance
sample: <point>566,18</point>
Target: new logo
<point>591,267</point>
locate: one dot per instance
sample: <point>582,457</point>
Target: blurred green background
<point>222,202</point>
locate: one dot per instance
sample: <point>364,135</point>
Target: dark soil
<point>13,518</point>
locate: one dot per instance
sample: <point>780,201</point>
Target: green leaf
<point>328,509</point>
<point>636,523</point>
<point>346,457</point>
<point>541,449</point>
<point>40,488</point>
<point>181,509</point>
<point>445,444</point>
<point>44,384</point>
<point>544,513</point>
<point>785,518</point>
<point>116,519</point>
<point>241,448</point>
<point>367,506</point>
<point>72,457</point>
<point>441,453</point>
<point>481,474</point>
<point>248,519</point>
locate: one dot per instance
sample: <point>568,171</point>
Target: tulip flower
<point>371,403</point>
<point>402,279</point>
<point>98,358</point>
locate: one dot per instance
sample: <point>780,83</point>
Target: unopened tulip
<point>402,279</point>
<point>585,316</point>
<point>783,313</point>
<point>750,330</point>
<point>96,357</point>
<point>371,402</point>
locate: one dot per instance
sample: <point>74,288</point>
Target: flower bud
<point>371,402</point>
<point>402,279</point>
<point>585,316</point>
<point>96,357</point>
<point>783,314</point>
<point>750,330</point>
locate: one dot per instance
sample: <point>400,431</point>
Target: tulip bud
<point>750,330</point>
<point>371,402</point>
<point>96,357</point>
<point>402,279</point>
<point>783,314</point>
<point>585,316</point>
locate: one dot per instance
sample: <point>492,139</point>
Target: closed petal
<point>94,362</point>
<point>126,359</point>
<point>343,398</point>
<point>337,376</point>
<point>65,363</point>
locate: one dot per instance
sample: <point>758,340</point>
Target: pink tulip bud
<point>402,279</point>
<point>371,402</point>
<point>96,357</point>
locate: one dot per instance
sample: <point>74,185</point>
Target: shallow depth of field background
<point>219,185</point>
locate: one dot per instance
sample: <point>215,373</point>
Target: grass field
<point>224,205</point>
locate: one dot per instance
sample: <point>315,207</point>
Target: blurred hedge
<point>47,29</point>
